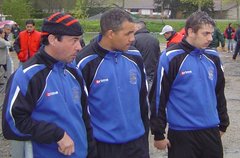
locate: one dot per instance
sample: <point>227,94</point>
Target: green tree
<point>80,10</point>
<point>199,3</point>
<point>18,10</point>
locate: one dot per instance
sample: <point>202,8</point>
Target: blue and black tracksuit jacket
<point>188,91</point>
<point>44,99</point>
<point>117,97</point>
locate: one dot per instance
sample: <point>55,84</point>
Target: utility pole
<point>221,12</point>
<point>123,4</point>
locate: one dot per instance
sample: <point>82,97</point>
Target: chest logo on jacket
<point>186,72</point>
<point>48,94</point>
<point>101,81</point>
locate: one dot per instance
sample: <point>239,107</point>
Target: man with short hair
<point>46,101</point>
<point>27,42</point>
<point>117,87</point>
<point>170,35</point>
<point>149,48</point>
<point>188,94</point>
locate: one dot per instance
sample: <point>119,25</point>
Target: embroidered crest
<point>76,94</point>
<point>133,77</point>
<point>210,73</point>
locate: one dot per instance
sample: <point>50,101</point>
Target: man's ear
<point>109,34</point>
<point>51,39</point>
<point>190,32</point>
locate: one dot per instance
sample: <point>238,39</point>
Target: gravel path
<point>231,139</point>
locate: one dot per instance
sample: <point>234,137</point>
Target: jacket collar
<point>48,60</point>
<point>143,30</point>
<point>189,48</point>
<point>100,50</point>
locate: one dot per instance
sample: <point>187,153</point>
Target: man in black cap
<point>45,101</point>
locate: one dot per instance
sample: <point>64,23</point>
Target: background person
<point>229,35</point>
<point>149,48</point>
<point>9,37</point>
<point>120,119</point>
<point>4,45</point>
<point>188,94</point>
<point>28,42</point>
<point>46,101</point>
<point>15,30</point>
<point>170,35</point>
<point>217,38</point>
<point>237,39</point>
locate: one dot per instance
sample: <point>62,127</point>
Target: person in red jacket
<point>229,34</point>
<point>28,42</point>
<point>170,35</point>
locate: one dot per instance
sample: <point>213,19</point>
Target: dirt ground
<point>231,139</point>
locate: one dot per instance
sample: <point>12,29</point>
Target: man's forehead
<point>207,26</point>
<point>73,37</point>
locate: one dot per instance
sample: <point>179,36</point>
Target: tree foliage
<point>199,3</point>
<point>184,7</point>
<point>80,10</point>
<point>17,10</point>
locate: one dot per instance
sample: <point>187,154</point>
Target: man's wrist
<point>159,136</point>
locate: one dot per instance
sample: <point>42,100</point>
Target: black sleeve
<point>221,100</point>
<point>158,120</point>
<point>144,103</point>
<point>40,131</point>
<point>22,107</point>
<point>159,94</point>
<point>16,45</point>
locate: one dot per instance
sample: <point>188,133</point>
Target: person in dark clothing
<point>188,94</point>
<point>217,38</point>
<point>116,81</point>
<point>15,30</point>
<point>237,39</point>
<point>46,98</point>
<point>149,48</point>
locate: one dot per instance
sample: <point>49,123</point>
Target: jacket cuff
<point>59,133</point>
<point>159,136</point>
<point>222,128</point>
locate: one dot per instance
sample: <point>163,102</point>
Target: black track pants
<point>204,143</point>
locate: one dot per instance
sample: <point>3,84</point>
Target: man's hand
<point>221,133</point>
<point>66,145</point>
<point>162,144</point>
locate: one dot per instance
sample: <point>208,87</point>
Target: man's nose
<point>79,46</point>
